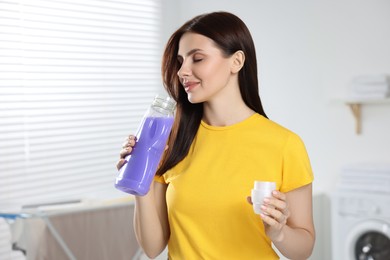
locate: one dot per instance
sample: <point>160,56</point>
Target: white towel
<point>371,80</point>
<point>372,177</point>
<point>364,188</point>
<point>368,167</point>
<point>369,87</point>
<point>368,96</point>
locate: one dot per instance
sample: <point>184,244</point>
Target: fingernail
<point>275,192</point>
<point>266,200</point>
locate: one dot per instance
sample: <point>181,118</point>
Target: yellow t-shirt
<point>208,213</point>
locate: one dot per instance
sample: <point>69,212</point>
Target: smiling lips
<point>189,85</point>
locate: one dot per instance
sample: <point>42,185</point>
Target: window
<point>75,79</point>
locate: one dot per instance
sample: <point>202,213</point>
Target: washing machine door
<point>369,240</point>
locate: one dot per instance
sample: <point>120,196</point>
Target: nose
<point>184,70</point>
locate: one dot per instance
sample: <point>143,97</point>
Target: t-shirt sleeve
<point>159,179</point>
<point>297,171</point>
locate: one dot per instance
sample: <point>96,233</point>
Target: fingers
<point>279,198</point>
<point>120,163</point>
<point>278,201</point>
<point>273,228</point>
<point>276,214</point>
<point>127,146</point>
<point>125,152</point>
<point>129,142</point>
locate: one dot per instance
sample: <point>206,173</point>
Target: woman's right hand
<point>127,148</point>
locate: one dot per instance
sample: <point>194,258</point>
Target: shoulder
<point>272,129</point>
<point>274,135</point>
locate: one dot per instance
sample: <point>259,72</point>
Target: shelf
<point>356,108</point>
<point>367,101</point>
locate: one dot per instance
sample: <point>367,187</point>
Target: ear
<point>238,60</point>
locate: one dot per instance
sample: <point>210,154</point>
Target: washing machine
<point>360,225</point>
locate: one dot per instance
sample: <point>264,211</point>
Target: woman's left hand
<point>277,213</point>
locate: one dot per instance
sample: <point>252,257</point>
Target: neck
<point>226,112</point>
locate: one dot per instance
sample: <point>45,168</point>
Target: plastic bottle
<point>260,191</point>
<point>136,176</point>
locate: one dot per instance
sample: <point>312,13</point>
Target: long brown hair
<point>230,34</point>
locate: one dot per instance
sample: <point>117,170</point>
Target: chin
<point>194,100</point>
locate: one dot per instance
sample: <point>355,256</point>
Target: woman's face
<point>204,73</point>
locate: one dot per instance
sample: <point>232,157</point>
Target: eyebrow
<point>190,52</point>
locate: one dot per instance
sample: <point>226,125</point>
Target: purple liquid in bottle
<point>137,174</point>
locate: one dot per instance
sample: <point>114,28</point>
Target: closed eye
<point>197,57</point>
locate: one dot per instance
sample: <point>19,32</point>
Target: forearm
<point>151,228</point>
<point>295,243</point>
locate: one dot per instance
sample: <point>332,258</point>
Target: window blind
<point>75,80</point>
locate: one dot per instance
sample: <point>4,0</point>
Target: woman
<point>220,144</point>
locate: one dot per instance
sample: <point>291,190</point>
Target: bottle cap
<point>264,185</point>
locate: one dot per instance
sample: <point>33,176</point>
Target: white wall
<point>308,51</point>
